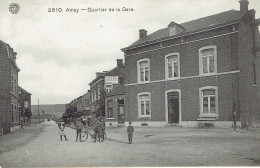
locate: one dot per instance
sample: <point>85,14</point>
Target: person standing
<point>96,129</point>
<point>102,129</point>
<point>61,130</point>
<point>130,131</point>
<point>78,129</point>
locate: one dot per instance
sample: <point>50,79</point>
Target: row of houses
<point>201,71</point>
<point>15,102</point>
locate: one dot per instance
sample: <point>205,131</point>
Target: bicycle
<point>86,133</point>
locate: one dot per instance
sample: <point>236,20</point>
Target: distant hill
<point>54,109</point>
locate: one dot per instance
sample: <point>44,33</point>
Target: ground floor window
<point>208,100</point>
<point>144,105</point>
<point>110,113</point>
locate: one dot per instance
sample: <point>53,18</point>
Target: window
<point>110,113</point>
<point>143,70</point>
<point>98,92</point>
<point>144,105</point>
<point>172,66</point>
<point>26,104</point>
<point>208,60</point>
<point>209,101</point>
<point>12,85</point>
<point>254,72</point>
<point>108,87</point>
<point>95,95</point>
<point>172,31</point>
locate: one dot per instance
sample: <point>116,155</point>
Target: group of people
<point>99,129</point>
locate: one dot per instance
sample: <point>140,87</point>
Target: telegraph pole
<point>38,111</point>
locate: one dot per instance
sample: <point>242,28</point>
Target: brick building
<point>96,88</point>
<point>103,84</point>
<point>86,103</point>
<point>195,72</point>
<point>9,97</point>
<point>115,95</point>
<point>24,108</point>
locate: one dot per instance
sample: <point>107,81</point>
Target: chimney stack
<point>119,62</point>
<point>142,33</point>
<point>243,5</point>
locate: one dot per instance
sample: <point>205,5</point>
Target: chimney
<point>119,62</point>
<point>142,33</point>
<point>243,5</point>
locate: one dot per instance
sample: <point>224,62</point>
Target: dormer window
<point>172,31</point>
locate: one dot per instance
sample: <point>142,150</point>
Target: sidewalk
<point>142,134</point>
<point>20,137</point>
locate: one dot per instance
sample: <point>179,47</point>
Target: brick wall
<point>189,66</point>
<point>5,89</point>
<point>247,90</point>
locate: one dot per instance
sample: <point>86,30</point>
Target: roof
<point>22,89</point>
<point>195,25</point>
<point>117,71</point>
<point>119,90</point>
<point>96,79</point>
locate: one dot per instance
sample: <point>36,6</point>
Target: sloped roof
<point>119,90</point>
<point>195,25</point>
<point>118,71</point>
<point>22,89</point>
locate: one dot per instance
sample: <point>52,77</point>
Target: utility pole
<point>38,111</point>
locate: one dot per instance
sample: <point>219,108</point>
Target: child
<point>78,129</point>
<point>130,130</point>
<point>61,128</point>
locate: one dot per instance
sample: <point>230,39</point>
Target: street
<point>39,146</point>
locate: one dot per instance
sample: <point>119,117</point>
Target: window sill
<point>110,118</point>
<point>144,117</point>
<point>211,117</point>
<point>143,82</point>
<point>175,78</point>
<point>208,74</point>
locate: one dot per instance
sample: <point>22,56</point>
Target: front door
<point>121,113</point>
<point>173,107</point>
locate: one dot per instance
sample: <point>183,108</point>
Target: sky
<point>60,52</point>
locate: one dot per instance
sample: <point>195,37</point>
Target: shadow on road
<point>114,140</point>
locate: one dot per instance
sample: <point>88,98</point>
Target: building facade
<point>97,93</point>
<point>9,96</point>
<point>24,108</point>
<point>115,95</point>
<point>202,71</point>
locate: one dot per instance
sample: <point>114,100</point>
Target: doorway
<point>121,113</point>
<point>173,102</point>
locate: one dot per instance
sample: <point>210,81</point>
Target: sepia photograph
<point>129,83</point>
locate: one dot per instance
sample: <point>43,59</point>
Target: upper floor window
<point>144,105</point>
<point>98,92</point>
<point>209,100</point>
<point>108,87</point>
<point>26,104</point>
<point>172,65</point>
<point>143,70</point>
<point>208,60</point>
